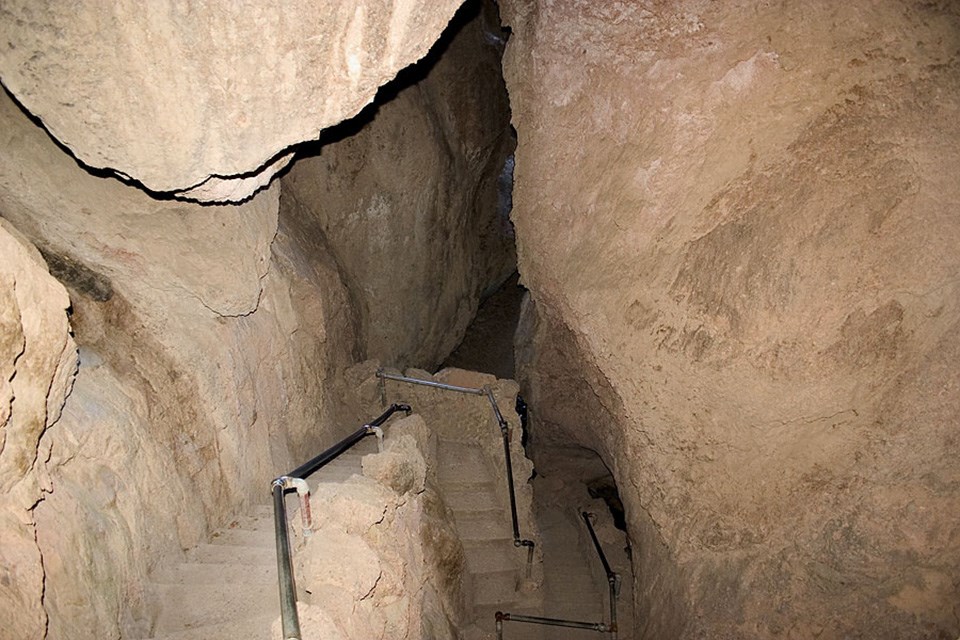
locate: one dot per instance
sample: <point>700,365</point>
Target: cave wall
<point>738,224</point>
<point>209,345</point>
<point>405,198</point>
<point>38,358</point>
<point>213,339</point>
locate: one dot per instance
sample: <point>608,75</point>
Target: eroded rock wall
<point>210,344</point>
<point>385,560</point>
<point>38,360</point>
<point>205,99</point>
<point>738,224</point>
<point>406,197</point>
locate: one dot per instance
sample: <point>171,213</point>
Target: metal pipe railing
<point>552,622</point>
<point>473,391</point>
<point>290,619</point>
<point>613,582</point>
<point>504,432</point>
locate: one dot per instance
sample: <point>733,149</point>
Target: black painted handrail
<point>613,581</point>
<point>290,619</point>
<point>315,463</point>
<point>596,544</point>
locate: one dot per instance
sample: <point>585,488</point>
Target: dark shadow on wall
<point>405,78</point>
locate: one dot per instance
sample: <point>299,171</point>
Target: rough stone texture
<point>738,225</point>
<point>38,360</point>
<point>385,561</point>
<point>96,530</point>
<point>409,206</point>
<point>469,418</point>
<point>175,94</point>
<point>209,343</point>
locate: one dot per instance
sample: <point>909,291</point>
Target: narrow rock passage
<point>574,585</point>
<point>487,345</point>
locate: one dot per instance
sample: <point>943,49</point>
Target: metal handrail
<point>518,541</point>
<point>613,581</point>
<point>290,619</point>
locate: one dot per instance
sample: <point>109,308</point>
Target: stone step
<point>244,538</point>
<point>247,629</point>
<point>463,465</point>
<point>232,554</point>
<point>483,525</point>
<point>200,573</point>
<point>471,498</point>
<point>493,556</point>
<point>261,511</point>
<point>496,588</point>
<point>187,607</point>
<point>262,522</point>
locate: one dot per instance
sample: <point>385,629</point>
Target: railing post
<point>290,619</point>
<point>382,385</point>
<point>612,581</point>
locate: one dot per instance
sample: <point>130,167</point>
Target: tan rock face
<point>38,359</point>
<point>204,99</point>
<point>209,344</point>
<point>752,271</point>
<point>408,205</point>
<point>385,560</point>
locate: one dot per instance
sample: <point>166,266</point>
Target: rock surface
<point>385,561</point>
<point>210,341</point>
<point>737,223</point>
<point>205,99</point>
<point>408,205</point>
<point>38,360</point>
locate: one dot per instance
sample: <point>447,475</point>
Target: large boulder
<point>205,99</point>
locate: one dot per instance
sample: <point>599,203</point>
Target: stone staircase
<point>227,589</point>
<point>495,577</point>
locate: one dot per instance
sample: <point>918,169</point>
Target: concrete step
<point>260,511</point>
<point>185,607</point>
<point>489,556</point>
<point>247,629</point>
<point>496,588</point>
<point>463,464</point>
<point>196,573</point>
<point>483,525</point>
<point>232,554</point>
<point>471,498</point>
<point>244,538</point>
<point>253,523</point>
